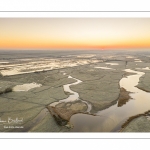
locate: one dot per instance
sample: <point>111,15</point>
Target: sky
<point>74,33</point>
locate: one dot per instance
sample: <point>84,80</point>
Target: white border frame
<point>82,135</point>
<point>69,14</point>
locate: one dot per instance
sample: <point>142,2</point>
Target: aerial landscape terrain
<point>75,91</point>
<point>74,74</point>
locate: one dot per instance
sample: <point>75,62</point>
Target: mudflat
<point>100,73</point>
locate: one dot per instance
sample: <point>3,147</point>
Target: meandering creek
<point>74,95</point>
<point>112,118</point>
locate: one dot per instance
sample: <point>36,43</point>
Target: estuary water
<point>112,118</point>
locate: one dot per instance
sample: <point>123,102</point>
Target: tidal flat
<point>74,91</point>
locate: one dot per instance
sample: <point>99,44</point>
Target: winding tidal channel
<point>74,96</point>
<point>107,120</point>
<point>112,118</point>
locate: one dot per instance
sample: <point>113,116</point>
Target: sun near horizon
<point>74,33</point>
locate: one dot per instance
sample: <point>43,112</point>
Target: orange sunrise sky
<point>74,33</point>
